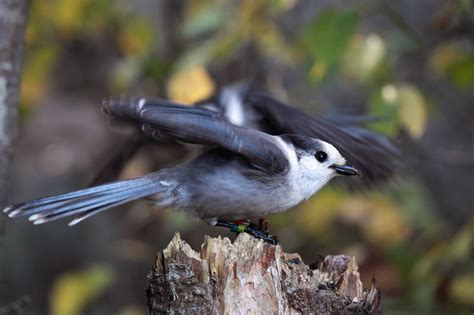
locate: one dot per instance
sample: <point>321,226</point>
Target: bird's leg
<point>234,226</point>
<point>246,227</point>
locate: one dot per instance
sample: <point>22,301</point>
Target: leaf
<point>412,110</point>
<point>363,56</point>
<point>69,15</point>
<point>155,69</point>
<point>328,35</point>
<point>402,106</point>
<point>462,72</point>
<point>462,289</point>
<point>73,291</point>
<point>455,61</point>
<point>443,56</point>
<point>383,104</point>
<point>460,247</point>
<point>207,20</point>
<point>190,85</point>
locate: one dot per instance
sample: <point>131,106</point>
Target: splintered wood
<point>252,277</point>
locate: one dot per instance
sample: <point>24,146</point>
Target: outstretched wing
<point>371,153</point>
<point>201,126</point>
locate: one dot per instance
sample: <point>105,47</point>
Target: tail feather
<point>93,202</point>
<point>81,203</point>
<point>86,202</point>
<point>22,207</point>
<point>94,211</point>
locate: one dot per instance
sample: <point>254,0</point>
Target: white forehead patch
<point>333,154</point>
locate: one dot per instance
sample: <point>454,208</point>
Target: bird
<point>260,156</point>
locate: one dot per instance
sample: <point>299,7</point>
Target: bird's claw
<point>258,233</point>
<point>249,228</point>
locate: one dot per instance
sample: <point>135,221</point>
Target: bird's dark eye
<point>321,156</point>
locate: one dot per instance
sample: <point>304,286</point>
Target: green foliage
<point>402,107</point>
<point>327,37</point>
<point>205,21</point>
<point>462,72</point>
<point>382,106</point>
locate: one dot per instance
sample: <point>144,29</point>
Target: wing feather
<point>371,153</point>
<point>199,125</point>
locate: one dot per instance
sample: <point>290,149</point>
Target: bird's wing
<point>199,125</point>
<point>371,153</point>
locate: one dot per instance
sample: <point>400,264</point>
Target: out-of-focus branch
<point>13,17</point>
<point>399,21</point>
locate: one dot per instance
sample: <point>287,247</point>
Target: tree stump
<point>253,277</point>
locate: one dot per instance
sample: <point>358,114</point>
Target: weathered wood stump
<point>252,277</point>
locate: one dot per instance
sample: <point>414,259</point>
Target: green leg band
<point>238,228</point>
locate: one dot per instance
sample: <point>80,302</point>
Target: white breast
<point>304,176</point>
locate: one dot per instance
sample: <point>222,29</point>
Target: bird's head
<point>320,161</point>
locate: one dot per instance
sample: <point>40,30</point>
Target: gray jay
<point>261,157</point>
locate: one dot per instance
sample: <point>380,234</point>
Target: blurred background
<point>411,62</point>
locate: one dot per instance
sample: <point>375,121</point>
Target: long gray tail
<point>87,202</point>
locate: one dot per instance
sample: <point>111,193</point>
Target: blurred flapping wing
<point>371,153</point>
<point>199,125</point>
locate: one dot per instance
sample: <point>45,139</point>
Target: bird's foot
<point>250,228</point>
<point>261,231</point>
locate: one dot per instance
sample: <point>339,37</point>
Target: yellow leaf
<point>74,290</point>
<point>190,85</point>
<point>389,94</point>
<point>363,56</point>
<point>69,15</point>
<point>460,247</point>
<point>317,71</point>
<point>412,110</point>
<point>462,289</point>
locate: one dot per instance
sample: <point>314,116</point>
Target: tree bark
<point>252,277</point>
<point>13,17</point>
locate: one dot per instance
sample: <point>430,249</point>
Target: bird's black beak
<point>346,170</point>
